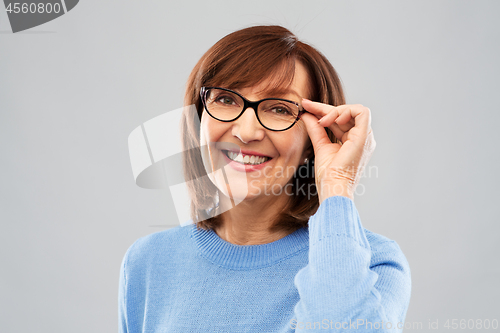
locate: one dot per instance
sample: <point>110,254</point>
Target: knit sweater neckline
<point>247,257</point>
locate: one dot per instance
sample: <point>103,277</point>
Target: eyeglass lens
<point>273,113</point>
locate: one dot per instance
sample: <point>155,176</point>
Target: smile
<point>246,159</point>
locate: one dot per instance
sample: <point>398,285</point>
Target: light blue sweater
<point>333,276</point>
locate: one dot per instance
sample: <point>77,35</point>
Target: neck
<point>250,222</point>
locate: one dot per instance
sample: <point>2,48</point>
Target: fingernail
<point>305,99</point>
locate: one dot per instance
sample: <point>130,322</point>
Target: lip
<point>242,167</point>
<point>235,148</point>
<point>247,152</point>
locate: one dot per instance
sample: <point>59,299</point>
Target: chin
<point>240,190</point>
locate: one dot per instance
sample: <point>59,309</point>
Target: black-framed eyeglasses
<point>275,114</point>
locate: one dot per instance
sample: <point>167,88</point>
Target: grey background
<point>73,89</point>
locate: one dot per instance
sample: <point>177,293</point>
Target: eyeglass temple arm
<point>301,112</point>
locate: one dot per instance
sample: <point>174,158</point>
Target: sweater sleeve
<point>122,298</point>
<point>347,286</point>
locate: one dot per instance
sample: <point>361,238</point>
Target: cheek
<point>294,144</point>
<point>302,132</point>
<point>209,131</point>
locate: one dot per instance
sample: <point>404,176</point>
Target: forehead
<point>297,84</point>
<point>267,76</point>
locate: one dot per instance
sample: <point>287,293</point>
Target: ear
<point>308,152</point>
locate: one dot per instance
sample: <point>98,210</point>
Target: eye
<point>226,100</point>
<point>281,110</point>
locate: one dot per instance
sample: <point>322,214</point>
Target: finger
<point>331,121</point>
<point>317,133</point>
<point>350,116</point>
<point>345,120</point>
<point>330,118</point>
<point>360,114</point>
<point>337,131</point>
<point>317,108</point>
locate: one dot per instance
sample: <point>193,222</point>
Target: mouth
<point>246,159</point>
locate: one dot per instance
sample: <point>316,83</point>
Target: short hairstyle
<point>246,58</point>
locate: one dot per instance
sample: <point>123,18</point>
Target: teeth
<point>248,159</point>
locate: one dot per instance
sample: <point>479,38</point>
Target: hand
<point>338,167</point>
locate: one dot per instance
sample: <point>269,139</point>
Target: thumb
<point>317,133</point>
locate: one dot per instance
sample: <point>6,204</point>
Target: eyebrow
<point>278,93</point>
<point>288,91</point>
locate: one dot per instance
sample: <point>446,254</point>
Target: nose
<point>247,127</point>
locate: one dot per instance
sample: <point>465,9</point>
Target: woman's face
<point>286,150</point>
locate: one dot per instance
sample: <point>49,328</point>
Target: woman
<point>278,245</point>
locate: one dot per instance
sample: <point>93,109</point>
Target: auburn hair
<point>246,58</point>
